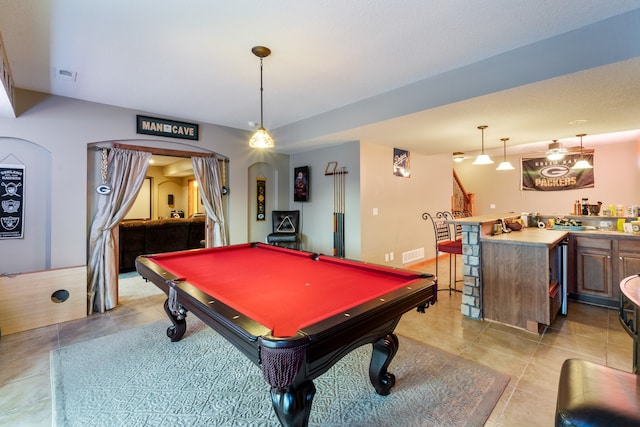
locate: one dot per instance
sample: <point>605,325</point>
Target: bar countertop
<point>483,219</point>
<point>528,237</point>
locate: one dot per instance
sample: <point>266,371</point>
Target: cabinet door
<point>595,273</point>
<point>628,258</point>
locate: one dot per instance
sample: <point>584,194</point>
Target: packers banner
<point>11,201</point>
<point>542,174</point>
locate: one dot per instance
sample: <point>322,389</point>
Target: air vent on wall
<point>413,255</point>
<point>62,74</point>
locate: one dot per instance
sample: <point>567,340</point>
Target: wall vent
<point>413,255</point>
<point>61,74</point>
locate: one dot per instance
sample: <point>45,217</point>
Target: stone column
<point>471,293</point>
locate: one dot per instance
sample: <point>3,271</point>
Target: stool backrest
<point>441,229</point>
<point>457,228</point>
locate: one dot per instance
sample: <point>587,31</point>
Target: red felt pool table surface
<point>283,289</point>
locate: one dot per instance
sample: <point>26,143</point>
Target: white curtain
<point>208,172</point>
<point>126,173</point>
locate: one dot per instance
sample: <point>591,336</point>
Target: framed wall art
<point>301,184</point>
<point>401,163</point>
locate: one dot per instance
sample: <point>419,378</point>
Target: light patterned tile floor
<point>533,362</point>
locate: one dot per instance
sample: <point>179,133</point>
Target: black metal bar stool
<point>446,244</point>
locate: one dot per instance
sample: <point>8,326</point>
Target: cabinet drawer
<point>630,245</point>
<point>588,242</point>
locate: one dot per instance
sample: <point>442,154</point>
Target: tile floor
<point>533,362</point>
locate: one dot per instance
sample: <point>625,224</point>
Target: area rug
<point>139,378</point>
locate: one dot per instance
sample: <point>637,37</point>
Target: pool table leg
<point>293,404</point>
<point>383,352</point>
<point>179,321</point>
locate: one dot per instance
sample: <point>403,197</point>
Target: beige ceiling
<point>415,74</point>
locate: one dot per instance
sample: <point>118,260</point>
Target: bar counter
<point>528,237</point>
<point>507,276</point>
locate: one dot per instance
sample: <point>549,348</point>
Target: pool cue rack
<point>338,208</point>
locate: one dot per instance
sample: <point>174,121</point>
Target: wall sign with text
<point>11,201</point>
<point>168,128</point>
<point>261,199</point>
<point>541,174</point>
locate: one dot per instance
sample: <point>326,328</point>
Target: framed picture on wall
<point>301,184</point>
<point>401,163</point>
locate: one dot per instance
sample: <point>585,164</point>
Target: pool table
<point>293,313</point>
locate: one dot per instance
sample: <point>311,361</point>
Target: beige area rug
<point>139,378</point>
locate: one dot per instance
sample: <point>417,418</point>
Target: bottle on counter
<point>585,206</point>
<point>577,208</point>
<point>620,210</point>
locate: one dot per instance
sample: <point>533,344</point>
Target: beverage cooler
<point>558,279</point>
<point>562,274</point>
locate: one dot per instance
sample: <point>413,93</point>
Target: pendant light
<point>555,151</point>
<point>458,156</point>
<point>483,159</point>
<point>505,165</point>
<point>582,163</point>
<point>261,139</point>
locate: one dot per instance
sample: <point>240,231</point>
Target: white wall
<point>64,127</point>
<point>370,184</point>
<point>616,172</point>
<point>400,202</point>
<point>317,213</point>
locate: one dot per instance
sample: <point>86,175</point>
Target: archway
<point>259,227</point>
<point>95,153</point>
<point>31,252</point>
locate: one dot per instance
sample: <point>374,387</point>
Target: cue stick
<point>340,216</point>
<point>340,254</point>
<point>335,214</point>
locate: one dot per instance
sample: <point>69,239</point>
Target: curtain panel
<point>208,173</point>
<point>126,172</point>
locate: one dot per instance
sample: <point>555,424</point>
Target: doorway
<point>194,201</point>
<point>186,191</point>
